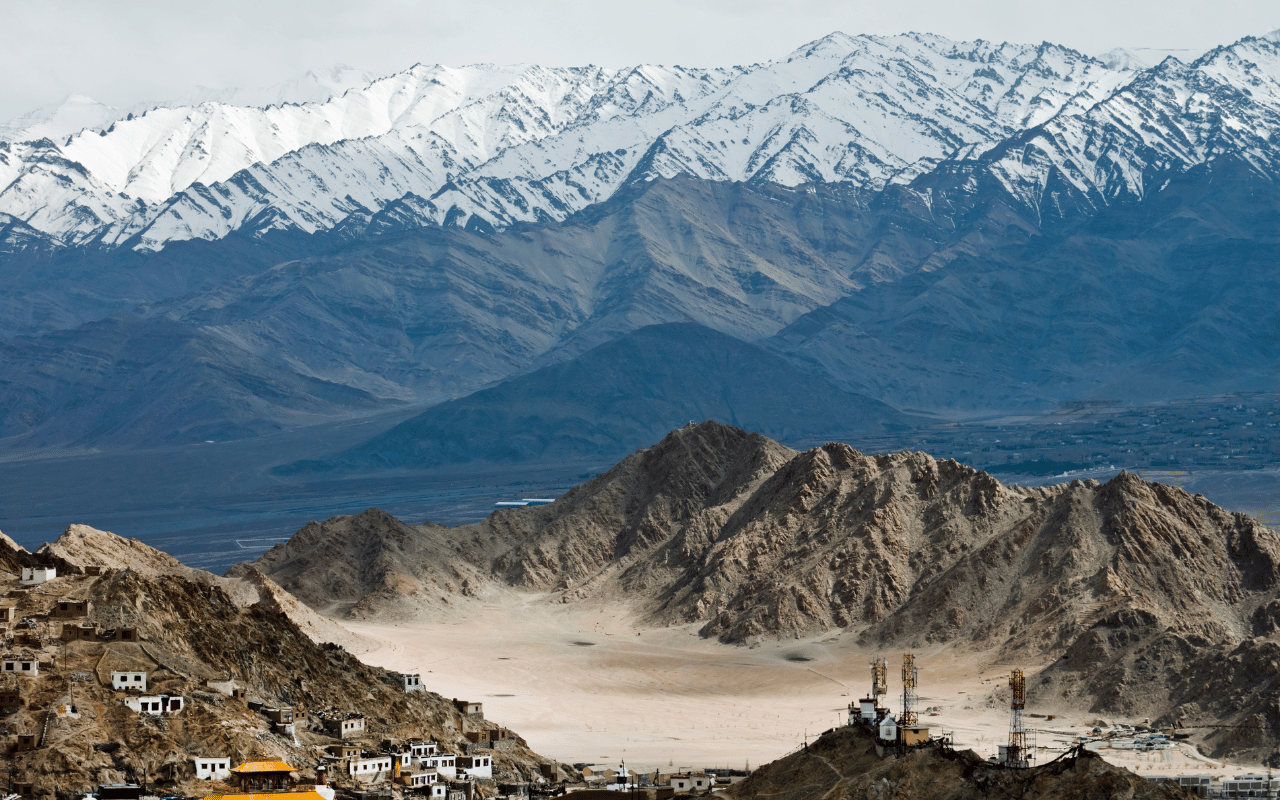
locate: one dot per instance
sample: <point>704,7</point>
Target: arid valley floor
<point>589,685</point>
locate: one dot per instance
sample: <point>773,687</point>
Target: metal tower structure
<point>879,679</point>
<point>1017,755</point>
<point>909,675</point>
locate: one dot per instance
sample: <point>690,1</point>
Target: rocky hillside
<point>370,562</point>
<point>842,765</point>
<point>730,529</point>
<point>189,632</point>
<point>1146,599</point>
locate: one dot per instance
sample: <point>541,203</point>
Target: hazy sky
<point>124,51</point>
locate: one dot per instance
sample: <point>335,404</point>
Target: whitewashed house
<point>213,769</point>
<point>344,728</point>
<point>419,778</point>
<point>155,705</point>
<point>27,667</point>
<point>121,681</point>
<point>369,769</point>
<point>888,729</point>
<point>692,782</point>
<point>413,683</point>
<point>475,766</point>
<point>446,763</point>
<point>421,750</point>
<point>34,576</point>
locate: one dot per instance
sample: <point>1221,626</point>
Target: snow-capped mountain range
<point>494,145</point>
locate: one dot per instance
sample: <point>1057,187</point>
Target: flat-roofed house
<point>211,769</point>
<point>34,576</point>
<point>26,666</point>
<point>692,782</point>
<point>123,680</point>
<point>369,768</point>
<point>476,766</point>
<point>71,609</point>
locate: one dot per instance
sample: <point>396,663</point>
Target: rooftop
<point>262,766</point>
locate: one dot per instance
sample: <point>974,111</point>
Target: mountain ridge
<point>536,148</point>
<point>1124,588</point>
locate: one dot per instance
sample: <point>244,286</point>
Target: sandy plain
<point>588,684</point>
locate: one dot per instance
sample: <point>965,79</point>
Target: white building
<point>413,683</point>
<point>419,778</point>
<point>230,687</point>
<point>34,576</point>
<point>475,766</point>
<point>866,709</point>
<point>692,782</point>
<point>121,681</point>
<point>888,729</point>
<point>446,763</point>
<point>344,728</point>
<point>28,667</point>
<point>153,705</point>
<point>368,769</point>
<point>422,749</point>
<point>1250,786</point>
<point>211,769</point>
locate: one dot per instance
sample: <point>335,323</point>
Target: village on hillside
<point>97,700</point>
<point>73,673</point>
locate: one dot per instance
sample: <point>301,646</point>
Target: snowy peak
<point>500,144</point>
<point>1166,120</point>
<point>1142,58</point>
<point>74,114</point>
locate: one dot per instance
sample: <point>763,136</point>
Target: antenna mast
<point>909,675</point>
<point>1017,753</point>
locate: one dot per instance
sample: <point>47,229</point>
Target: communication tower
<point>1018,754</point>
<point>909,675</point>
<point>879,679</point>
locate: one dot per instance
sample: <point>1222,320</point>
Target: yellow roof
<point>310,794</point>
<point>263,766</point>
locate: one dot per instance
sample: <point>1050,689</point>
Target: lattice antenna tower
<point>909,675</point>
<point>1017,754</point>
<point>879,679</point>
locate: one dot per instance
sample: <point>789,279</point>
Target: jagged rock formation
<point>842,765</point>
<point>189,631</point>
<point>733,530</point>
<point>369,562</point>
<point>1139,592</point>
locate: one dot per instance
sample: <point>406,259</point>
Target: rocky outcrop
<point>842,765</point>
<point>1138,593</point>
<point>370,562</point>
<point>751,539</point>
<point>185,633</point>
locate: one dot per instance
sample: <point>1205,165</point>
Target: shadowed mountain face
<point>617,397</point>
<point>1167,297</point>
<point>426,315</point>
<point>751,540</point>
<point>1049,249</point>
<point>952,306</point>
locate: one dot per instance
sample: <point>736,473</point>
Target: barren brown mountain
<point>842,765</point>
<point>187,628</point>
<point>1132,588</point>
